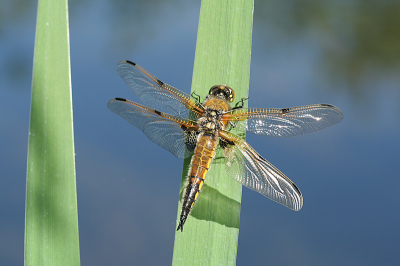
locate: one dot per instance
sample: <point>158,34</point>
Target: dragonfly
<point>185,126</point>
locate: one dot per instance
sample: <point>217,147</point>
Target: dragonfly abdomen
<point>201,161</point>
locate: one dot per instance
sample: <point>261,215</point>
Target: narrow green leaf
<point>51,226</point>
<point>223,50</point>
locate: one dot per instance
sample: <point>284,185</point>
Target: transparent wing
<point>246,166</point>
<point>168,131</point>
<point>157,94</point>
<point>286,122</point>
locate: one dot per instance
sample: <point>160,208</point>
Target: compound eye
<point>222,91</point>
<point>214,90</point>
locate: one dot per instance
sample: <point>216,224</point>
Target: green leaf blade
<point>223,52</point>
<point>51,223</point>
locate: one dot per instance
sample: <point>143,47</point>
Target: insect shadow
<point>206,209</point>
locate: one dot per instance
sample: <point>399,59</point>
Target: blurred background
<point>345,53</point>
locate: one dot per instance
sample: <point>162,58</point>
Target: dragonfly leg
<point>241,102</point>
<point>196,96</point>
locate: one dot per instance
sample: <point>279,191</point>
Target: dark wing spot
<point>130,62</point>
<point>223,143</point>
<point>296,188</point>
<point>160,82</point>
<point>285,110</point>
<point>326,105</point>
<point>158,112</point>
<point>191,140</point>
<point>183,127</point>
<point>120,99</point>
<point>230,142</point>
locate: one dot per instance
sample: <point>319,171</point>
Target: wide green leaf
<point>223,50</point>
<point>51,227</point>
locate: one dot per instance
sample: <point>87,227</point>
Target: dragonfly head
<point>222,91</point>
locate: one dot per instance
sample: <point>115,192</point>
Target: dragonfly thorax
<point>211,121</point>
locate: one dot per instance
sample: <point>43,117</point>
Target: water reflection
<point>355,39</point>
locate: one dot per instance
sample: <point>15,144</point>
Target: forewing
<point>246,166</point>
<point>155,93</point>
<point>287,122</point>
<point>168,131</point>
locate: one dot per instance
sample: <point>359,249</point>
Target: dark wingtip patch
<point>326,105</point>
<point>158,112</point>
<point>160,82</point>
<point>296,188</point>
<point>120,99</point>
<point>130,62</point>
<point>285,110</point>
